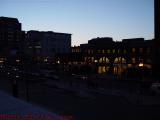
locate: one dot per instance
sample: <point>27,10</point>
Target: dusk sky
<point>84,19</point>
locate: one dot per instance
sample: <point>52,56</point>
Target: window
<point>118,51</point>
<point>89,51</point>
<point>99,51</point>
<point>108,51</point>
<point>148,50</point>
<point>149,60</point>
<point>124,51</point>
<point>92,59</point>
<point>133,50</point>
<point>104,60</point>
<point>133,60</point>
<point>113,50</point>
<point>141,50</point>
<point>85,58</point>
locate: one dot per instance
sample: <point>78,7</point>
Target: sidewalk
<point>15,109</point>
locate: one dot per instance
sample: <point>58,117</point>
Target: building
<point>11,38</point>
<point>45,45</point>
<point>105,56</point>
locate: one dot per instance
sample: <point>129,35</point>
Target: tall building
<point>46,44</point>
<point>11,38</point>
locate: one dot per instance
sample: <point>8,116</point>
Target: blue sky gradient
<point>85,19</point>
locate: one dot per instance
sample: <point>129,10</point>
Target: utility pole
<point>157,19</point>
<point>156,41</point>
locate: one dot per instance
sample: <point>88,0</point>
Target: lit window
<point>123,60</point>
<point>107,60</point>
<point>119,60</point>
<point>85,58</point>
<point>133,50</point>
<point>116,60</point>
<point>100,60</point>
<point>114,50</point>
<point>92,59</point>
<point>108,51</point>
<point>104,59</point>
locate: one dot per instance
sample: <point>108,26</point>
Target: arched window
<point>120,60</point>
<point>120,65</point>
<point>107,60</point>
<point>103,60</point>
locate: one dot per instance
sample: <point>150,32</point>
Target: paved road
<point>93,107</point>
<point>98,108</point>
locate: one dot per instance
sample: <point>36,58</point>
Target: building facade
<point>45,45</point>
<point>103,55</point>
<point>11,38</point>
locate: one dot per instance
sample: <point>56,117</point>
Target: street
<point>92,106</point>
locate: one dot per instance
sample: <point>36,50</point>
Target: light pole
<point>96,61</point>
<point>16,76</point>
<point>140,91</point>
<point>156,41</point>
<point>141,70</point>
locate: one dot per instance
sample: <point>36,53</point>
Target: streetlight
<point>17,60</point>
<point>1,61</point>
<point>15,73</point>
<point>45,60</point>
<point>58,62</point>
<point>139,99</point>
<point>141,65</point>
<point>96,61</point>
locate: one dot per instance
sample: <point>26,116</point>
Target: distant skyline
<point>85,19</point>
